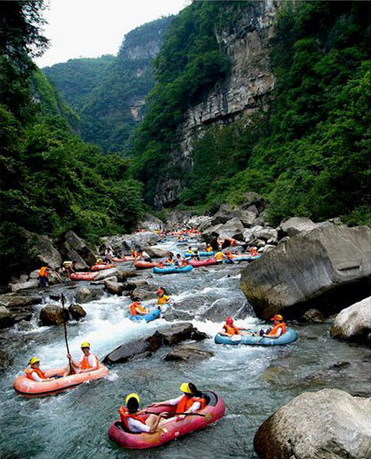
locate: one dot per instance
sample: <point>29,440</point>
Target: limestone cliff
<point>247,88</point>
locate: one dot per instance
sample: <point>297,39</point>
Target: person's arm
<point>73,362</point>
<point>276,335</point>
<point>195,407</point>
<point>171,402</point>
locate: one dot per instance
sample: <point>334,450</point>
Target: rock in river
<point>354,323</point>
<point>329,424</point>
<point>327,268</point>
<point>53,315</point>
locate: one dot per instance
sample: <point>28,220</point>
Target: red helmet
<point>229,320</point>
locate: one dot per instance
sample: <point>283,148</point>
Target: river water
<point>254,381</point>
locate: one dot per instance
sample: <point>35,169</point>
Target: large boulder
<point>145,347</point>
<point>77,311</point>
<point>232,228</point>
<point>52,314</point>
<point>200,222</point>
<point>6,319</point>
<point>19,307</point>
<point>128,242</point>
<point>87,294</point>
<point>329,424</point>
<point>187,352</point>
<point>116,288</point>
<point>297,225</point>
<point>354,323</point>
<point>46,252</point>
<point>226,212</point>
<point>76,249</point>
<point>151,223</point>
<point>157,252</point>
<point>328,268</point>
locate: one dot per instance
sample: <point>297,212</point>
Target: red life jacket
<point>276,327</point>
<point>125,416</point>
<point>29,372</point>
<point>85,364</point>
<point>186,403</point>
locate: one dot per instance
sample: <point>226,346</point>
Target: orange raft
<point>28,388</point>
<point>100,267</point>
<point>83,276</point>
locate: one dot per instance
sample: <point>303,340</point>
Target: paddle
<point>72,371</point>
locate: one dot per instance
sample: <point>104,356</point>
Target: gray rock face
<point>74,245</point>
<point>247,88</point>
<point>151,223</point>
<point>354,323</point>
<point>296,225</point>
<point>112,272</point>
<point>128,242</point>
<point>329,424</point>
<point>143,294</point>
<point>146,347</point>
<point>5,360</point>
<point>157,252</point>
<point>53,315</point>
<point>187,352</point>
<point>328,269</point>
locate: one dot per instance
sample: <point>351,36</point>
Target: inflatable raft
<point>207,262</point>
<point>200,254</point>
<point>120,260</point>
<point>83,276</point>
<point>28,388</point>
<point>173,429</point>
<point>289,337</point>
<point>145,264</point>
<point>100,267</point>
<point>172,269</point>
<point>152,315</point>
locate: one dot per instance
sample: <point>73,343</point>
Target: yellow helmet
<point>133,395</point>
<point>85,345</point>
<point>184,387</point>
<point>34,360</point>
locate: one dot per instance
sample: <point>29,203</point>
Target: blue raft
<point>172,269</point>
<point>289,337</point>
<point>152,315</point>
<point>200,254</point>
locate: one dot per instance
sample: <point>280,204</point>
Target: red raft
<point>173,429</point>
<point>100,267</point>
<point>28,388</point>
<point>83,276</point>
<point>145,264</point>
<point>120,260</point>
<point>207,262</point>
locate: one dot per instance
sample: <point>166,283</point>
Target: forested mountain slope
<point>109,92</point>
<point>77,78</point>
<point>307,150</point>
<point>51,181</point>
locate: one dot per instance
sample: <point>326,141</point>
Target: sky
<point>90,28</point>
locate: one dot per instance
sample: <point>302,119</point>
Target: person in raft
<point>189,402</point>
<point>254,252</point>
<point>34,373</point>
<point>229,328</point>
<point>162,298</point>
<point>89,362</point>
<point>190,250</point>
<point>136,308</point>
<point>134,420</point>
<point>278,329</point>
<point>209,248</point>
<point>170,259</point>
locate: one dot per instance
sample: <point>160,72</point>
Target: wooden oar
<point>207,416</point>
<point>72,371</point>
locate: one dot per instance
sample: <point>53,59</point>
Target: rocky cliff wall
<point>247,88</point>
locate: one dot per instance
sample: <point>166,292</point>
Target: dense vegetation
<point>51,180</point>
<point>77,78</point>
<point>310,154</point>
<point>106,92</point>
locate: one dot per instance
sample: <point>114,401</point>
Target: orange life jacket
<point>133,309</point>
<point>29,372</point>
<point>186,403</point>
<point>231,329</point>
<point>44,271</point>
<point>254,252</point>
<point>277,327</point>
<point>85,364</point>
<point>125,416</point>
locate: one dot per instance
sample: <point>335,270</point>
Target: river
<point>254,381</point>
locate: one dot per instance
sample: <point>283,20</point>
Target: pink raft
<point>207,262</point>
<point>28,388</point>
<point>173,429</point>
<point>83,276</point>
<point>100,267</point>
